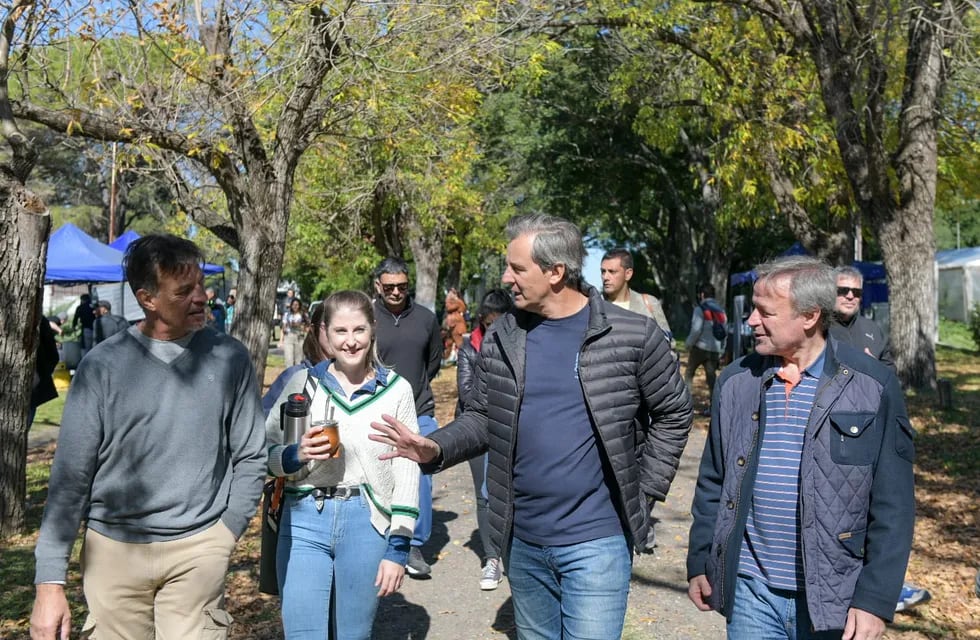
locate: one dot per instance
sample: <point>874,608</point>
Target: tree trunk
<point>261,254</point>
<point>905,229</point>
<point>909,255</point>
<point>427,251</point>
<point>24,228</point>
<point>454,268</point>
<point>260,263</point>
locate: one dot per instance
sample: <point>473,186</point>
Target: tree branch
<point>24,153</point>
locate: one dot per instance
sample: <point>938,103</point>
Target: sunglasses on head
<point>855,291</point>
<point>389,288</point>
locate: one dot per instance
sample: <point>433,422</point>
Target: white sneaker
<point>491,575</point>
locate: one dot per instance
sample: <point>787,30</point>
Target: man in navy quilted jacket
<point>804,506</point>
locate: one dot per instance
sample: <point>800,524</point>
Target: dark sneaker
<point>491,575</point>
<point>417,566</point>
<point>911,596</point>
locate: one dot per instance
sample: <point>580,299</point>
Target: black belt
<point>335,493</point>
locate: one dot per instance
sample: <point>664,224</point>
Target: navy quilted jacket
<point>625,368</point>
<point>856,505</point>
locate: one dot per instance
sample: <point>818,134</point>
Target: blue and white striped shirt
<point>772,551</point>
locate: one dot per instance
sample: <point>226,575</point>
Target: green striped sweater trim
<point>351,409</point>
<point>396,509</point>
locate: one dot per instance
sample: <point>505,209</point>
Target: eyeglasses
<point>855,291</point>
<point>389,288</point>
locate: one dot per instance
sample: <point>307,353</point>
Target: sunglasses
<point>855,291</point>
<point>389,288</point>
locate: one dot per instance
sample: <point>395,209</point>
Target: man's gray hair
<point>556,241</point>
<point>812,284</point>
<point>849,272</point>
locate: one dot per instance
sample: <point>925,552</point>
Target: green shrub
<point>975,324</point>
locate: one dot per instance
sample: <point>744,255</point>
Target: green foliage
<point>975,325</point>
<point>405,163</point>
<point>959,226</point>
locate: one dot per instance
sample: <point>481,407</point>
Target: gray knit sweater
<point>154,449</point>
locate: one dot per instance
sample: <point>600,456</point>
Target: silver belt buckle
<point>342,493</point>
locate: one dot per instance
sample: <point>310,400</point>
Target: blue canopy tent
<point>124,240</point>
<point>875,284</point>
<point>127,238</point>
<point>74,257</point>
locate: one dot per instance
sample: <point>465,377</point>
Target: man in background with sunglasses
<point>863,333</point>
<point>850,326</point>
<point>410,342</point>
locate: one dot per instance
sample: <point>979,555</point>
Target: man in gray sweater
<point>162,452</point>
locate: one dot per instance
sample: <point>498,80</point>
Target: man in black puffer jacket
<point>560,384</point>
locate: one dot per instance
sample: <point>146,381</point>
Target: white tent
<point>958,282</point>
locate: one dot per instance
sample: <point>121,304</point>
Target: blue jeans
<point>570,592</point>
<point>423,526</point>
<point>764,613</point>
<point>335,552</point>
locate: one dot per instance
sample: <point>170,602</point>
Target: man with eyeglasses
<point>850,326</point>
<point>410,342</point>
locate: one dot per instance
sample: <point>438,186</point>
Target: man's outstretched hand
<point>406,444</point>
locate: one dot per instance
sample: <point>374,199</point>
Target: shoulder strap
<point>309,389</point>
<point>646,303</point>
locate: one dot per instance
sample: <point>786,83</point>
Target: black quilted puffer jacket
<point>625,367</point>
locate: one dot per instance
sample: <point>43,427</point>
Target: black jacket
<point>625,368</point>
<point>863,333</point>
<point>411,344</point>
<point>43,388</point>
<point>466,361</point>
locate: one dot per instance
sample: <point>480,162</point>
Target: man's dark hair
<point>625,257</point>
<point>495,301</point>
<point>154,255</point>
<point>391,265</point>
<point>707,290</point>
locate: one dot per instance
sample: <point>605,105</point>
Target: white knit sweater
<point>392,486</point>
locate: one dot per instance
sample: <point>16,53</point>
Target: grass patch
<point>50,412</point>
<point>957,335</point>
<point>17,559</point>
<point>275,361</point>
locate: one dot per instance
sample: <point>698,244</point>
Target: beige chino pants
<point>173,590</point>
